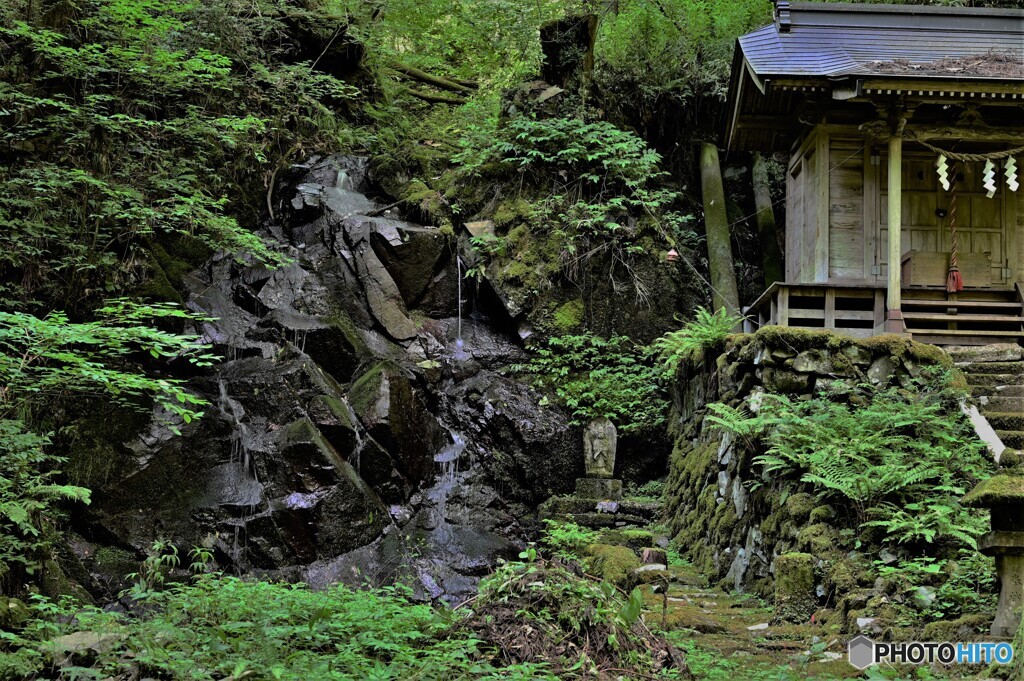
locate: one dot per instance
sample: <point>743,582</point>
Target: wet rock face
<point>359,429</point>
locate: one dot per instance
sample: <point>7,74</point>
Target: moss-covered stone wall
<point>734,534</point>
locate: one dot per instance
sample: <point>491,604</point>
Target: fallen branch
<point>434,98</point>
<point>437,81</point>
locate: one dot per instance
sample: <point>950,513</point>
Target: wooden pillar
<point>894,319</point>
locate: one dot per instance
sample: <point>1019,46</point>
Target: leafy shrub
<point>900,463</point>
<point>545,611</point>
<point>29,497</point>
<point>652,490</point>
<point>567,540</point>
<point>963,586</point>
<point>219,627</point>
<point>706,330</point>
<point>594,376</point>
<point>599,179</point>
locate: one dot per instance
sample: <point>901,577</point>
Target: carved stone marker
<point>599,441</point>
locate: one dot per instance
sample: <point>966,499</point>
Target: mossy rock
<point>114,562</point>
<point>612,563</point>
<point>846,575</point>
<point>55,583</point>
<point>998,490</point>
<point>800,506</point>
<point>694,618</point>
<point>819,539</point>
<point>794,587</point>
<point>13,612</point>
<point>821,514</point>
<point>569,316</point>
<point>633,539</point>
<point>512,211</point>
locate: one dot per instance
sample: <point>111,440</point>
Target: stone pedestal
<point>1004,495</point>
<point>599,489</point>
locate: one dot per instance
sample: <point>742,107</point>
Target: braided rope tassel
<point>954,281</point>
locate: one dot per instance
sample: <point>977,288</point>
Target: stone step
<point>602,521</point>
<point>1012,438</point>
<point>996,352</point>
<point>1006,421</point>
<point>991,380</point>
<point>998,391</point>
<point>980,368</point>
<point>989,403</point>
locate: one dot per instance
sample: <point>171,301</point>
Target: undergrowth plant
<point>898,463</point>
<point>594,376</point>
<point>567,540</point>
<point>706,330</point>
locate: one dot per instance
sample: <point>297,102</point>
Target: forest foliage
<point>139,136</point>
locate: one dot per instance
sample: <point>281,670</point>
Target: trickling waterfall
<point>246,489</point>
<point>460,353</point>
<point>447,481</point>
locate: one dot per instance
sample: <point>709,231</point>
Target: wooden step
<point>962,303</point>
<point>933,317</point>
<point>964,336</point>
<point>962,296</point>
<point>966,332</point>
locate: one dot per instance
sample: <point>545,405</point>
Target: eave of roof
<point>823,44</point>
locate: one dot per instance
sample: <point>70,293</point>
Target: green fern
<point>706,330</point>
<point>899,463</point>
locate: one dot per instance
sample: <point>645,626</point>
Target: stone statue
<point>599,440</point>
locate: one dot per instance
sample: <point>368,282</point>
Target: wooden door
<point>927,220</point>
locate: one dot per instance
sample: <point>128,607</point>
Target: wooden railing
<point>976,316</point>
<point>856,310</point>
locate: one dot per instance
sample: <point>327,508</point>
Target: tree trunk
<point>723,274</point>
<point>771,255</point>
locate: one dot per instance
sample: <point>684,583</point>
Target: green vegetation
<point>707,330</point>
<point>593,377</point>
<point>567,540</point>
<point>896,464</point>
<point>214,626</point>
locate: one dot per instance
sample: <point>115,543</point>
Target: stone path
<point>732,636</point>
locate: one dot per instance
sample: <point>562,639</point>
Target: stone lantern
<point>1003,494</point>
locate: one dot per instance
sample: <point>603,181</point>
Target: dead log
<point>437,81</point>
<point>433,97</point>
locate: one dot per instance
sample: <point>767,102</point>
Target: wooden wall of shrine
<point>836,215</point>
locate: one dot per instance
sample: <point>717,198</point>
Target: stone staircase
<point>995,374</point>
